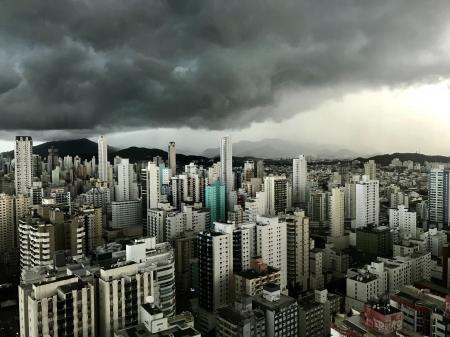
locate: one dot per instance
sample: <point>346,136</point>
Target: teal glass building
<point>215,201</point>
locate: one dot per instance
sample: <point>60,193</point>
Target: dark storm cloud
<point>80,64</point>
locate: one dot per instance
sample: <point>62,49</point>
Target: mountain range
<point>386,159</point>
<point>272,148</point>
<point>86,149</point>
<point>264,149</point>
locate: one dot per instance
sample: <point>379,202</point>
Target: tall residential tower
<point>23,172</point>
<point>102,159</point>
<point>172,156</point>
<point>299,175</point>
<point>226,161</point>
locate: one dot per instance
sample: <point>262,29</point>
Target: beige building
<point>250,282</point>
<point>297,232</point>
<point>64,306</point>
<point>7,223</point>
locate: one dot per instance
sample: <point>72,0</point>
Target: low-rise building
<point>251,282</point>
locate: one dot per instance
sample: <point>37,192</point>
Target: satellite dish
<point>149,299</point>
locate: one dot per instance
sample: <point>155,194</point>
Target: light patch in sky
<point>400,120</point>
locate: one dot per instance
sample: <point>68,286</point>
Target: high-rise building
<point>316,268</point>
<point>226,172</point>
<point>337,212</point>
<point>159,258</point>
<point>215,200</point>
<point>367,202</point>
<point>260,169</point>
<point>250,282</point>
<point>148,270</point>
<point>189,219</point>
<point>125,176</point>
<point>99,197</point>
<point>374,241</point>
<point>156,221</point>
<point>172,156</point>
<point>438,196</point>
<point>37,243</point>
<point>299,179</point>
<point>318,207</point>
<point>93,224</point>
<point>365,285</point>
<point>126,213</point>
<point>185,250</point>
<point>403,219</point>
<point>23,170</point>
<point>22,205</point>
<point>370,169</point>
<point>281,312</point>
<point>277,194</point>
<point>311,317</point>
<point>37,193</point>
<point>214,172</point>
<point>297,232</point>
<point>103,159</point>
<point>7,223</point>
<point>350,200</point>
<point>249,170</point>
<point>61,306</point>
<point>52,159</point>
<point>271,238</point>
<point>215,255</point>
<point>399,198</point>
<point>118,287</point>
<point>241,319</point>
<point>243,243</point>
<point>153,190</point>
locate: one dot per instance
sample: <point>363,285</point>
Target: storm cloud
<point>113,64</point>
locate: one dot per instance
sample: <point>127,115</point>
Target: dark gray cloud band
<point>109,64</point>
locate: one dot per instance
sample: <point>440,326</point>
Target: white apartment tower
<point>64,306</point>
<point>23,171</point>
<point>226,171</point>
<point>337,212</point>
<point>37,243</point>
<point>438,192</point>
<point>153,185</point>
<point>122,289</point>
<point>172,156</point>
<point>403,219</point>
<point>102,159</point>
<point>124,188</point>
<point>299,179</point>
<point>367,202</point>
<point>271,238</point>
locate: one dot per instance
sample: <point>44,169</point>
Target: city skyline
<point>210,168</point>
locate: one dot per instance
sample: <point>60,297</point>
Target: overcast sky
<point>369,76</point>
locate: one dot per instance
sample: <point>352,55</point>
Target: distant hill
<point>386,159</point>
<point>136,154</point>
<point>273,148</point>
<point>86,149</point>
<point>83,147</point>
